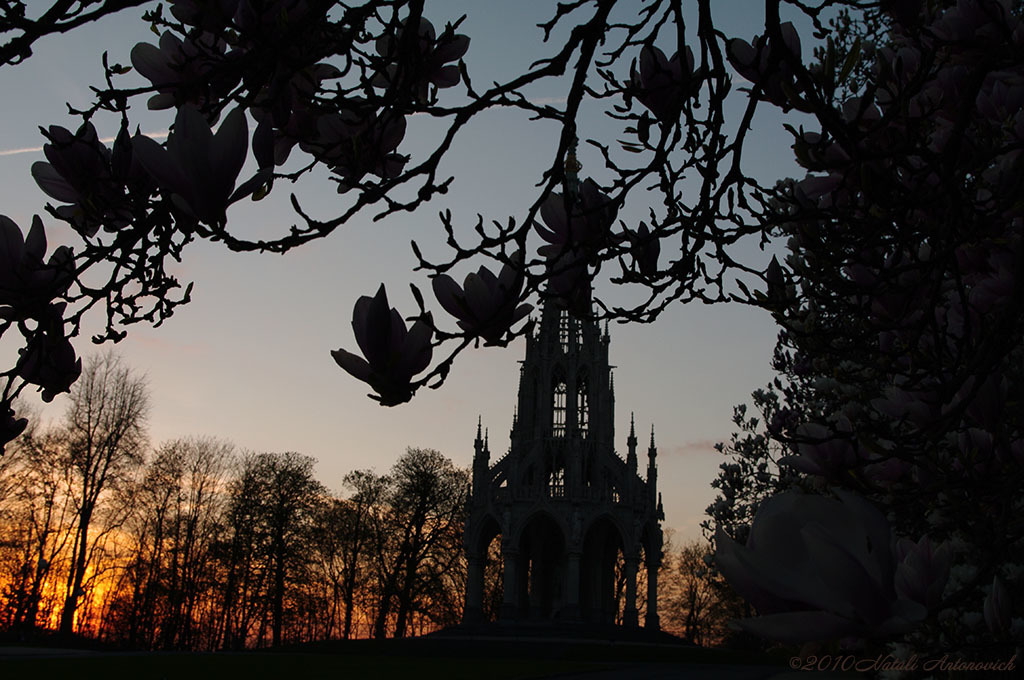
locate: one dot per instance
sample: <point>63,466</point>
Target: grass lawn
<point>258,665</point>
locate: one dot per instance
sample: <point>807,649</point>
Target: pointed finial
<point>572,168</point>
<point>652,435</point>
<point>486,438</point>
<point>479,420</point>
<point>632,425</point>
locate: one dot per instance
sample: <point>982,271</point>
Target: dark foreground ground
<point>457,655</point>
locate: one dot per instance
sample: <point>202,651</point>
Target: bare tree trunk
<point>76,575</point>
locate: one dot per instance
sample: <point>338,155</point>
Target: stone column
<point>629,615</point>
<point>474,589</point>
<point>651,621</point>
<point>538,577</point>
<point>572,585</point>
<point>510,586</point>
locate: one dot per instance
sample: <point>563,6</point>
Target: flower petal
<point>355,365</point>
<point>448,294</point>
<point>452,49</point>
<point>229,148</point>
<point>50,181</point>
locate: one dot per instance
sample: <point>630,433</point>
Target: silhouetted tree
<point>177,514</point>
<point>106,433</point>
<point>419,538</point>
<point>270,520</point>
<point>361,512</point>
<point>36,520</point>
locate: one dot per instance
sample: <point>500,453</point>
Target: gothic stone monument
<point>564,502</point>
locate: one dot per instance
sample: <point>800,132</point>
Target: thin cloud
<point>105,140</point>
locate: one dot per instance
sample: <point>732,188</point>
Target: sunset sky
<point>249,359</point>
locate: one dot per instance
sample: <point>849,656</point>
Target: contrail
<point>105,140</point>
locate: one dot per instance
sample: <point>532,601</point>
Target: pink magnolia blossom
<point>207,15</point>
<point>922,572</point>
<point>199,168</point>
<point>10,426</point>
<point>768,64</point>
<point>357,143</point>
<point>48,359</point>
<point>998,608</point>
<point>392,354</point>
<point>585,224</point>
<point>645,249</point>
<point>286,104</point>
<point>663,85</point>
<point>486,305</point>
<point>817,568</point>
<point>180,71</point>
<point>569,281</point>
<point>82,171</point>
<point>27,285</point>
<point>429,63</point>
<point>823,452</point>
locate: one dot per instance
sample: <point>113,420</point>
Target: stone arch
<point>602,543</point>
<point>485,530</point>
<point>484,569</point>
<point>519,526</point>
<point>615,521</point>
<point>541,566</point>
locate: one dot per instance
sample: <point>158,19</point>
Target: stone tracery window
<point>556,483</point>
<point>582,406</point>
<point>558,409</point>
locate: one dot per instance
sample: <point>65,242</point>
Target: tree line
<point>195,545</point>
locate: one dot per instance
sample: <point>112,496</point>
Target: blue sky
<point>249,359</point>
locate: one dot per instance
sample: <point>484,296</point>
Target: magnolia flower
<point>585,224</point>
<point>645,249</point>
<point>817,568</point>
<point>180,72</point>
<point>885,470</point>
<point>26,284</point>
<point>83,172</point>
<point>768,65</point>
<point>922,572</point>
<point>199,168</point>
<point>822,452</point>
<point>920,408</point>
<point>48,359</point>
<point>355,144</point>
<point>976,23</point>
<point>10,426</point>
<point>427,65</point>
<point>663,85</point>
<point>569,281</point>
<point>486,305</point>
<point>207,15</point>
<point>392,354</point>
<point>286,102</point>
<point>998,608</point>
